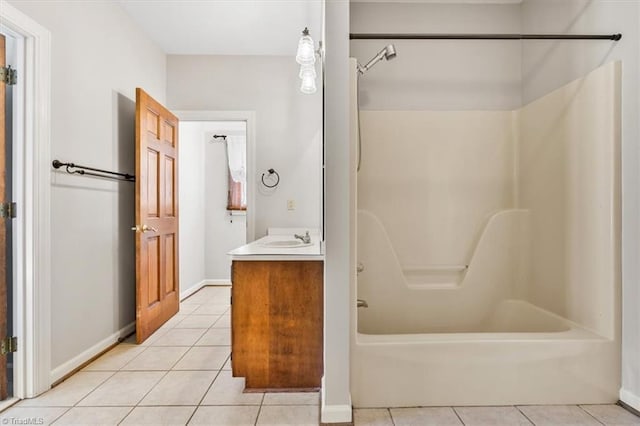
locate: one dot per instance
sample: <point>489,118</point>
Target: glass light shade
<point>306,52</point>
<point>308,85</point>
<point>307,70</point>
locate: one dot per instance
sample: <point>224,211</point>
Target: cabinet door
<point>277,324</point>
<point>250,319</point>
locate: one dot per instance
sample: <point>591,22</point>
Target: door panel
<point>157,286</point>
<point>153,184</point>
<point>170,250</point>
<point>169,174</point>
<point>153,278</point>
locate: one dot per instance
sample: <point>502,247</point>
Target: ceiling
<point>226,27</point>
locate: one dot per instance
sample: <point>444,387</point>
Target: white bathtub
<point>525,355</point>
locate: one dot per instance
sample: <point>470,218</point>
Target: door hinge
<point>9,344</point>
<point>8,210</point>
<point>8,75</point>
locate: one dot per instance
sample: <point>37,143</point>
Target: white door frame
<point>250,118</point>
<point>32,193</point>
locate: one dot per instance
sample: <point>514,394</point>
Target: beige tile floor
<point>540,415</point>
<point>181,375</point>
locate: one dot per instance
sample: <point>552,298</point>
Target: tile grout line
<point>158,369</point>
<point>594,417</point>
<point>152,388</point>
<point>126,415</point>
<point>393,422</point>
<point>259,409</point>
<point>457,415</point>
<point>199,404</point>
<point>525,416</point>
<point>390,414</point>
<point>61,414</point>
<point>113,373</point>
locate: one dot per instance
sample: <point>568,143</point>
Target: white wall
<point>439,74</point>
<point>339,208</point>
<point>191,184</point>
<point>288,125</point>
<point>548,65</point>
<point>99,57</point>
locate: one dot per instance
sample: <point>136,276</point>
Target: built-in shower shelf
<point>434,276</point>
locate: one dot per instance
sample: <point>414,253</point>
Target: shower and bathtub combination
<point>488,251</point>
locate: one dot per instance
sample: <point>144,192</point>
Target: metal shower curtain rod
<point>396,36</point>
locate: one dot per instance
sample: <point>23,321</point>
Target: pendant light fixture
<point>306,57</point>
<point>306,54</point>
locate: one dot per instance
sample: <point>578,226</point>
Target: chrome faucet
<point>304,238</point>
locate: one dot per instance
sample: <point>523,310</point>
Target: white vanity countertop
<point>260,249</point>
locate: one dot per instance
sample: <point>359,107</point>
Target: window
<point>236,196</point>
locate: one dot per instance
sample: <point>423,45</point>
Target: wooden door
<point>3,228</point>
<point>157,287</point>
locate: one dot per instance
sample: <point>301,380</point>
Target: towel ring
<point>271,172</point>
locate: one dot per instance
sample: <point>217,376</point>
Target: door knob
<point>143,228</point>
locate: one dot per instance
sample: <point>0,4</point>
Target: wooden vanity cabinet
<point>277,324</point>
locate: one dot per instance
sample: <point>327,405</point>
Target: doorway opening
<point>216,201</point>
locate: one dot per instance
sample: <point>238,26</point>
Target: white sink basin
<point>285,244</point>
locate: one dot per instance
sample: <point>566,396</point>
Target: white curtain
<point>237,158</point>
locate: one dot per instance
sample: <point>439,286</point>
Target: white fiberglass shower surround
<point>489,242</point>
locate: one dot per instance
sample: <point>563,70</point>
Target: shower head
<point>388,53</point>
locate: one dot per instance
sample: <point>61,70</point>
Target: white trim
<point>189,291</point>
<point>62,370</point>
<point>334,413</point>
<point>204,283</point>
<point>33,298</point>
<point>217,282</point>
<point>630,399</point>
<point>250,118</point>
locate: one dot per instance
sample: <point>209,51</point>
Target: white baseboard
<point>188,292</point>
<point>334,413</point>
<point>630,399</point>
<point>217,282</point>
<point>62,370</point>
